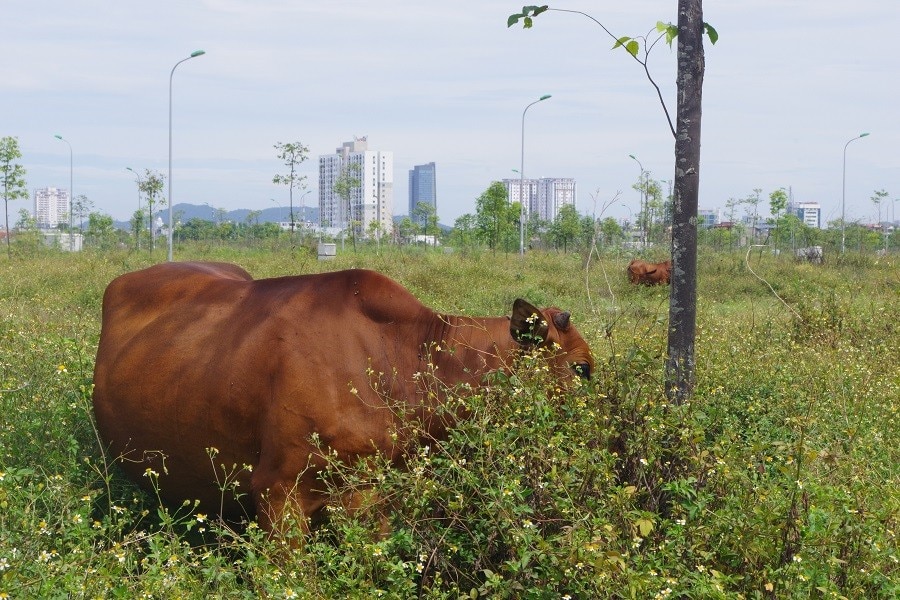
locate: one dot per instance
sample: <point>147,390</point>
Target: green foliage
<point>292,155</point>
<point>152,186</point>
<point>565,227</point>
<point>778,479</point>
<point>496,219</point>
<point>12,179</point>
<point>527,14</point>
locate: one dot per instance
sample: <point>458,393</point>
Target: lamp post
<point>140,226</point>
<point>844,190</point>
<point>303,210</point>
<point>194,54</point>
<point>642,213</point>
<point>71,192</point>
<point>522,179</point>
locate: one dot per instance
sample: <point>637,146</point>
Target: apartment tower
<point>370,202</point>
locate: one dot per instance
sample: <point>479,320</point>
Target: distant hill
<point>186,212</point>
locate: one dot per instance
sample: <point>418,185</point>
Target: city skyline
<point>782,97</point>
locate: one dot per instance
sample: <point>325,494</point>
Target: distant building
<point>708,217</point>
<point>422,187</point>
<point>51,207</point>
<point>372,201</point>
<point>810,213</point>
<point>545,196</point>
<point>521,190</point>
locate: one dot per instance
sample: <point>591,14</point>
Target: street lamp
<point>522,179</point>
<point>194,54</point>
<point>140,226</point>
<point>303,207</point>
<point>71,192</point>
<point>642,211</point>
<point>844,190</point>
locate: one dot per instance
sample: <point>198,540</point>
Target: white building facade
<point>51,207</point>
<point>810,213</point>
<point>544,196</point>
<point>370,202</point>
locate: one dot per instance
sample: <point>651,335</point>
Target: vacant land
<point>781,478</point>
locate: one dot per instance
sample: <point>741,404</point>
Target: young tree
<point>292,155</point>
<point>653,204</point>
<point>752,201</point>
<point>464,231</point>
<point>777,204</point>
<point>343,187</point>
<point>425,216</point>
<point>878,197</point>
<point>493,215</point>
<point>12,177</point>
<point>28,236</point>
<point>137,226</point>
<point>100,230</point>
<point>611,232</point>
<point>406,229</point>
<point>81,207</point>
<point>566,227</point>
<point>680,362</point>
<point>152,186</point>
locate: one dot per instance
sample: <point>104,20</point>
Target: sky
<point>788,84</point>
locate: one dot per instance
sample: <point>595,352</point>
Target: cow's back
<point>162,330</point>
<point>196,355</point>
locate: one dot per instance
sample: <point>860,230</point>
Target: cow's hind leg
<point>284,507</point>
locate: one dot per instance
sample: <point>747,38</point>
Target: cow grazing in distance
<point>272,373</point>
<point>648,273</point>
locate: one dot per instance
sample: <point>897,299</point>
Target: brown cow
<point>195,356</point>
<point>648,273</point>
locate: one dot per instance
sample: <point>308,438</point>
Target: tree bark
<point>680,361</point>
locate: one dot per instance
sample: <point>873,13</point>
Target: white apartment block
<point>810,213</point>
<point>372,201</point>
<point>544,196</point>
<point>51,207</point>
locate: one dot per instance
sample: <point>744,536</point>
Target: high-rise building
<point>522,191</point>
<point>709,216</point>
<point>810,213</point>
<point>371,201</point>
<point>422,187</point>
<point>552,195</point>
<point>51,207</point>
<point>544,196</point>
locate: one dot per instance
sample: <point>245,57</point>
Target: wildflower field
<point>780,479</point>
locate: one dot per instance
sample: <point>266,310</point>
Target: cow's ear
<point>526,324</point>
<point>561,320</point>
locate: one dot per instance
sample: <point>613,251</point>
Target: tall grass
<point>779,479</point>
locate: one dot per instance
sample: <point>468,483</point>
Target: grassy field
<point>781,479</point>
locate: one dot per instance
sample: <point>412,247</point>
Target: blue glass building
<point>422,187</point>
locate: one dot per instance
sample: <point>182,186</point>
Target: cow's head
<point>551,328</point>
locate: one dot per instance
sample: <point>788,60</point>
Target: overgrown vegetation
<point>779,478</point>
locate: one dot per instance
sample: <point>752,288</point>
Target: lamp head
<point>197,53</point>
<point>544,97</point>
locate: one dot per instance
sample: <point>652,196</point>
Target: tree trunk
<point>680,361</point>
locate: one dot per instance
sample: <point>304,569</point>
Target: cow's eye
<point>582,369</point>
